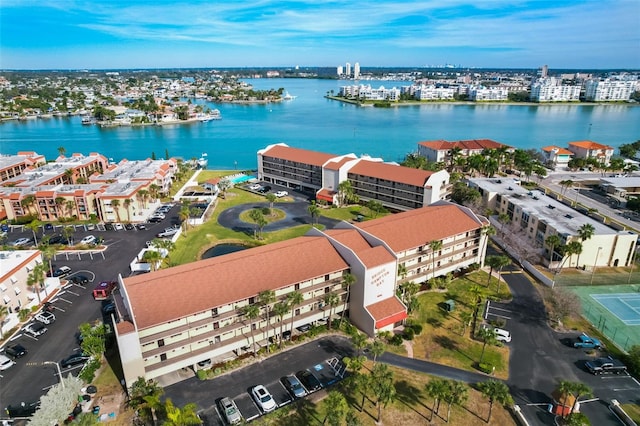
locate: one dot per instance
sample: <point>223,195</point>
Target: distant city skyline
<point>68,34</point>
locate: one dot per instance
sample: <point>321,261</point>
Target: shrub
<point>396,340</point>
<point>485,368</point>
<point>408,333</point>
<point>266,211</point>
<point>201,374</point>
<point>417,329</point>
<point>89,370</point>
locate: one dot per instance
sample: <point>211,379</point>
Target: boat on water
<point>202,161</point>
<point>208,116</point>
<point>87,120</point>
<point>288,97</point>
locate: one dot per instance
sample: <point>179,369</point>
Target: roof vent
<point>551,207</point>
<point>568,216</point>
<point>510,188</point>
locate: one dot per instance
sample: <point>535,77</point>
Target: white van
<point>502,335</point>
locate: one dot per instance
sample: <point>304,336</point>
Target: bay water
<point>312,122</point>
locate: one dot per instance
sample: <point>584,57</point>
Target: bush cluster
<point>88,372</point>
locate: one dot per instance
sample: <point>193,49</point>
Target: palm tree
<point>501,262</point>
<point>116,207</point>
<point>295,298</point>
<point>271,198</point>
<point>184,416</point>
<point>503,218</point>
<point>495,391</point>
<point>347,281</point>
<point>266,298</point>
<point>465,317</point>
<point>144,196</point>
<point>33,226</point>
<point>565,388</point>
<point>61,151</point>
<point>488,231</point>
<point>59,203</point>
<point>359,342</point>
<point>281,309</point>
<point>314,211</point>
<point>35,279</point>
<point>251,312</point>
<point>332,300</point>
<point>152,257</point>
<point>585,232</point>
<point>376,348</point>
<point>4,311</point>
<point>126,204</point>
<point>552,241</point>
<point>458,393</point>
<point>579,389</point>
<point>154,191</point>
<point>434,246</point>
<point>488,335</point>
<point>153,403</point>
<point>565,184</point>
<point>70,205</point>
<point>48,253</point>
<point>382,386</point>
<point>573,247</point>
<point>345,192</point>
<point>336,408</point>
<point>184,215</point>
<point>27,202</point>
<point>68,175</point>
<point>492,261</point>
<point>67,232</point>
<point>454,154</point>
<point>436,389</point>
<point>256,215</point>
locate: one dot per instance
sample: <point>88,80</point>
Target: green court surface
<point>614,310</point>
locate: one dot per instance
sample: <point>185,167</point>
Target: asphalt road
<point>29,378</point>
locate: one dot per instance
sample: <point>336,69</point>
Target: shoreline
<point>368,104</point>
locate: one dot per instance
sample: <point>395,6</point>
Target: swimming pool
<point>241,178</point>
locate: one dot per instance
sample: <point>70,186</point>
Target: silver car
<point>294,386</point>
<point>230,411</point>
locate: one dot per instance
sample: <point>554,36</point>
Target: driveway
<point>296,214</point>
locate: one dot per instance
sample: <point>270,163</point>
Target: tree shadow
<point>434,322</point>
<point>304,413</point>
<point>446,342</point>
<point>409,395</point>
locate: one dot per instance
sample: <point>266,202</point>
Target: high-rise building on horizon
<point>347,69</point>
<point>356,71</point>
<point>339,70</point>
<point>544,71</point>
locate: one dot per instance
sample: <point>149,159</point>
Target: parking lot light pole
<point>595,262</point>
<point>59,371</point>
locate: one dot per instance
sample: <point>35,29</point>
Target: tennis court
<point>614,310</point>
<point>625,306</point>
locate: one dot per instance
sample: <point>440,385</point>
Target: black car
<point>58,239</point>
<point>16,351</point>
<point>155,219</point>
<point>308,380</point>
<point>22,410</point>
<point>79,279</point>
<point>264,189</point>
<point>72,360</point>
<point>129,226</point>
<point>109,307</point>
<point>109,227</point>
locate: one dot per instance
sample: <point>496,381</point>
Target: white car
<point>255,186</point>
<point>502,335</point>
<point>281,194</point>
<point>35,329</point>
<point>118,226</point>
<point>168,232</point>
<point>45,317</point>
<point>89,239</point>
<point>6,362</point>
<point>263,398</point>
<point>21,242</point>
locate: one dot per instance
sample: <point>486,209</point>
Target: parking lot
<point>73,304</point>
<point>321,357</point>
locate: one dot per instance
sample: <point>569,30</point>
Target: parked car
<point>205,363</point>
<point>6,362</point>
<point>263,398</point>
<point>89,239</point>
<point>168,232</point>
<point>309,381</point>
<point>129,226</point>
<point>281,194</point>
<point>606,365</point>
<point>48,227</point>
<point>230,411</point>
<point>502,335</point>
<point>15,351</point>
<point>293,385</point>
<point>58,239</point>
<point>35,329</point>
<point>118,226</point>
<point>584,341</point>
<point>108,307</point>
<point>264,189</point>
<point>62,272</point>
<point>45,317</point>
<point>156,219</point>
<point>20,242</point>
<point>22,410</point>
<point>74,359</point>
<point>158,214</point>
<point>304,328</point>
<point>79,279</point>
<point>141,226</point>
<point>255,186</point>
<point>108,227</point>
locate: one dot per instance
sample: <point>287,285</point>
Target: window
<point>326,277</point>
<point>163,357</point>
<point>252,300</point>
<point>214,312</point>
<point>216,325</point>
<point>297,286</point>
<point>160,343</point>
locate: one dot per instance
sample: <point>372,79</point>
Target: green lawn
<point>442,341</point>
<point>348,213</point>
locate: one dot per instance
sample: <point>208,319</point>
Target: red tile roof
<point>589,145</point>
<point>335,165</point>
<point>414,228</point>
<point>173,293</point>
<point>298,155</point>
<point>471,144</point>
<point>561,151</point>
<point>391,172</point>
<point>370,256</point>
<point>387,312</point>
<point>325,194</point>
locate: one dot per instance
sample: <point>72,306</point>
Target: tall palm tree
<point>336,408</point>
<point>314,212</point>
<point>585,232</point>
<point>488,231</point>
<point>70,205</point>
<point>27,202</point>
<point>504,219</point>
<point>488,335</point>
<point>492,261</point>
<point>376,348</point>
<point>359,342</point>
<point>381,381</point>
<point>281,309</point>
<point>501,262</point>
<point>271,198</point>
<point>251,312</point>
<point>266,298</point>
<point>33,226</point>
<point>4,311</point>
<point>579,389</point>
<point>495,391</point>
<point>434,246</point>
<point>144,196</point>
<point>332,300</point>
<point>126,204</point>
<point>295,298</point>
<point>347,281</point>
<point>59,203</point>
<point>436,389</point>
<point>184,416</point>
<point>48,253</point>
<point>565,389</point>
<point>154,191</point>
<point>152,257</point>
<point>552,241</point>
<point>116,207</point>
<point>36,278</point>
<point>458,393</point>
<point>184,215</point>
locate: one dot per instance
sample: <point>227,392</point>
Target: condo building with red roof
<point>590,149</point>
<point>396,187</point>
<point>439,151</point>
<point>176,317</point>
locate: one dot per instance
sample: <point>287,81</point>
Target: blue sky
<point>89,34</point>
